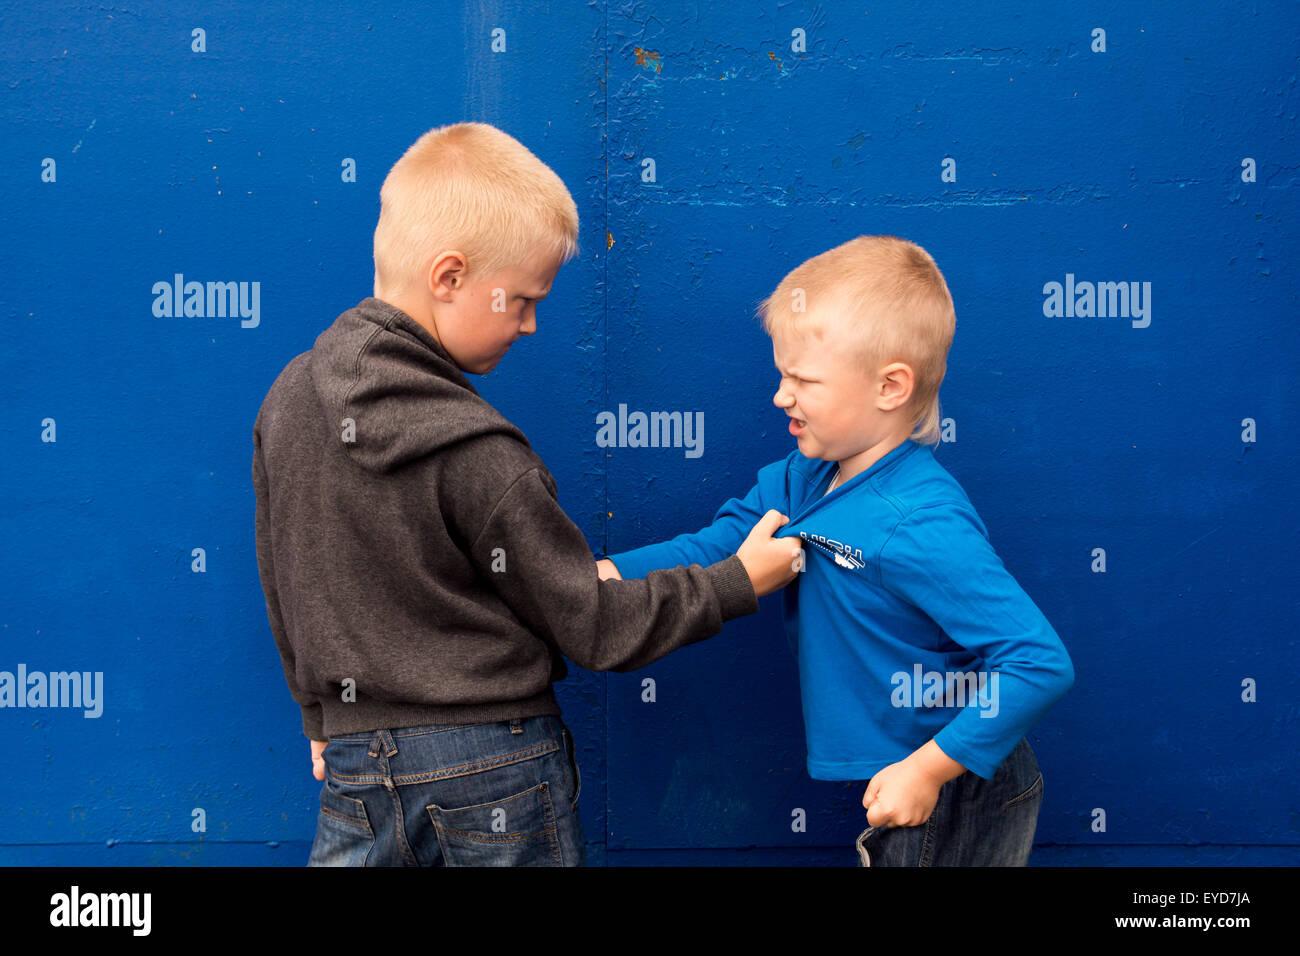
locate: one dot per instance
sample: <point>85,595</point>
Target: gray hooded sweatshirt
<point>416,564</point>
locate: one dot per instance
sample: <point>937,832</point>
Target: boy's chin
<point>810,449</point>
<point>484,366</point>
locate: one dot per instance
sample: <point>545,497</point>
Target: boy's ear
<point>447,274</point>
<point>896,383</point>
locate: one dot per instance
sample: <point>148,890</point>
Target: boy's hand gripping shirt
<point>905,623</point>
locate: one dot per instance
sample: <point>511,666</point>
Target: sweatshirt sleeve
<point>940,560</point>
<point>724,536</point>
<point>312,717</point>
<point>541,566</point>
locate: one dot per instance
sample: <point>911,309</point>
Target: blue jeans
<point>498,794</point>
<point>976,822</point>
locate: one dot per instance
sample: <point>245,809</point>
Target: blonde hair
<point>474,188</point>
<point>889,297</point>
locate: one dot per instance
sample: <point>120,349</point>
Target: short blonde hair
<point>471,187</point>
<point>890,297</point>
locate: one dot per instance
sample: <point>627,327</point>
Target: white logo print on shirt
<point>845,555</point>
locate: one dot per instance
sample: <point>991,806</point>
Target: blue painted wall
<point>1072,434</point>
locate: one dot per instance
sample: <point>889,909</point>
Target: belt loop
<point>374,745</point>
<point>514,726</point>
<point>390,747</point>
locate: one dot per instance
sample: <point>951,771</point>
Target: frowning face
<point>483,317</point>
<point>837,413</point>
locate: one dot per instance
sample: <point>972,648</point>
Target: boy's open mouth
<point>797,426</point>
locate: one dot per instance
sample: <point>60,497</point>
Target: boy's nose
<point>782,398</point>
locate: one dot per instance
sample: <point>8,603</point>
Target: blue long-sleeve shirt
<point>905,623</point>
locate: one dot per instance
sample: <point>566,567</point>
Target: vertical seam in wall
<point>604,352</point>
<point>604,355</point>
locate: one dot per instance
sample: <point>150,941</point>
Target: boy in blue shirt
<point>922,663</point>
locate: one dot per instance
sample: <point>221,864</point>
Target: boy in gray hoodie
<point>422,583</point>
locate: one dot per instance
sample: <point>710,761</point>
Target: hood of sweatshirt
<point>391,392</point>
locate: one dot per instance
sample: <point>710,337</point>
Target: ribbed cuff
<point>731,583</point>
<point>365,714</point>
<point>313,722</point>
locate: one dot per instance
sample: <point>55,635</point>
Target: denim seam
<point>493,763</point>
<point>557,854</point>
<point>927,844</point>
<point>399,827</point>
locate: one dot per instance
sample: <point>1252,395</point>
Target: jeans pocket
<point>518,830</point>
<point>1035,789</point>
<point>343,833</point>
